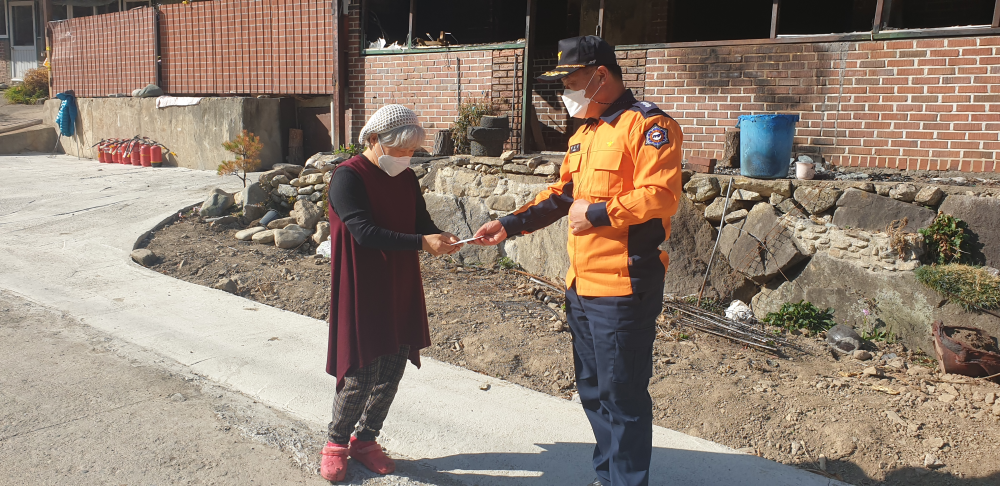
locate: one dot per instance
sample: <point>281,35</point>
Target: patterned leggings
<point>362,405</point>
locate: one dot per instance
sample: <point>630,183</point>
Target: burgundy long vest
<point>376,297</point>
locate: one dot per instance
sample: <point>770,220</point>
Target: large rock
<point>702,189</point>
<point>253,195</point>
<point>462,217</point>
<point>871,212</point>
<point>689,249</point>
<point>764,187</point>
<point>817,199</point>
<point>903,192</point>
<point>542,252</point>
<point>322,232</point>
<point>713,213</point>
<point>247,234</point>
<point>144,257</point>
<point>982,215</point>
<point>217,204</point>
<point>761,247</point>
<point>290,236</point>
<point>903,303</point>
<point>286,190</point>
<point>929,196</point>
<point>265,237</point>
<point>306,214</point>
<point>281,222</point>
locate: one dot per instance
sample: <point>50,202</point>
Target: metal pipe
<point>729,191</point>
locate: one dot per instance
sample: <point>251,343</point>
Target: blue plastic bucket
<point>766,145</point>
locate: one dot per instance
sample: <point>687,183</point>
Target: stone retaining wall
<point>783,240</point>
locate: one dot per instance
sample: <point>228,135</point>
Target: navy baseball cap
<point>579,52</point>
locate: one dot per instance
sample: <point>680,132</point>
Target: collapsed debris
<point>966,351</point>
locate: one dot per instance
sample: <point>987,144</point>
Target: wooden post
<point>879,15</point>
<point>600,21</point>
<point>526,62</point>
<point>775,12</point>
<point>409,35</point>
<point>996,15</point>
<point>339,76</point>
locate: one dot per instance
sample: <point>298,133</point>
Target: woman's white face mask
<point>392,165</point>
<point>576,101</point>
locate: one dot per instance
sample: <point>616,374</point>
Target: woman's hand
<point>441,244</point>
<point>492,233</point>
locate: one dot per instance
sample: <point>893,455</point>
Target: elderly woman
<point>378,223</point>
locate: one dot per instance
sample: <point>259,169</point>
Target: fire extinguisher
<point>156,156</point>
<point>134,153</point>
<point>144,154</point>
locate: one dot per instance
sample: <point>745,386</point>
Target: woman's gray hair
<point>407,137</point>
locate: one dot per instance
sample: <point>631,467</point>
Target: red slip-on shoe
<point>333,465</point>
<point>372,456</point>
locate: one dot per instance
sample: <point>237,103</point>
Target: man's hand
<point>493,233</point>
<point>578,221</point>
<point>440,244</point>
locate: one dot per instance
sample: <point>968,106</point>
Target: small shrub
<point>35,87</point>
<point>897,238</point>
<point>507,263</point>
<point>801,315</point>
<point>247,147</point>
<point>945,239</point>
<point>971,287</point>
<point>470,114</point>
<point>349,150</point>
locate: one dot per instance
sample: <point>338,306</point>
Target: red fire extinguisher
<point>101,154</point>
<point>134,153</point>
<point>156,156</point>
<point>122,159</point>
<point>144,155</point>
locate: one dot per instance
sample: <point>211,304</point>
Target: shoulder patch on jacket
<point>647,109</point>
<point>657,136</point>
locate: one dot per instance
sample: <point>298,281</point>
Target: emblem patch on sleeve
<point>574,149</point>
<point>657,136</point>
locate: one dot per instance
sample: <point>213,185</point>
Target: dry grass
<point>970,286</point>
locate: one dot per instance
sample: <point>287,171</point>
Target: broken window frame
<point>409,48</point>
<point>878,31</point>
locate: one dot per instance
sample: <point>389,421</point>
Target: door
<point>22,38</point>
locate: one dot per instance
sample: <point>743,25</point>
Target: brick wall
<point>432,84</point>
<point>929,104</point>
<point>4,61</point>
<point>82,50</point>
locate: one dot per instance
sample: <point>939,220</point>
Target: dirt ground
<point>805,407</point>
<point>80,407</point>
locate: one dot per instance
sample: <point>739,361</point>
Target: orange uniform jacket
<point>627,164</point>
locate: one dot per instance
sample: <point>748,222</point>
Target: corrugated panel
<point>238,47</point>
<point>105,54</point>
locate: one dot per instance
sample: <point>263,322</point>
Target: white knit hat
<point>386,118</point>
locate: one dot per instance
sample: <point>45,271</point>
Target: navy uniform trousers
<point>613,354</point>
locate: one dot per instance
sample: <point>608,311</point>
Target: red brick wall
<point>432,84</point>
<point>4,61</point>
<point>929,104</point>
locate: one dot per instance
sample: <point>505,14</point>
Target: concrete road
<point>66,230</point>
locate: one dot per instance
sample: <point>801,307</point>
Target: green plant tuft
<point>507,263</point>
<point>971,287</point>
<point>945,239</point>
<point>801,315</point>
<point>470,114</point>
<point>349,150</point>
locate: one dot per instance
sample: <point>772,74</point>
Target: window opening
<point>809,17</point>
<point>924,14</point>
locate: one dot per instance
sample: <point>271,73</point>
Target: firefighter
<point>620,183</point>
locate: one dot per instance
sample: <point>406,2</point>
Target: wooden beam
<point>409,35</point>
<point>775,12</point>
<point>526,62</point>
<point>996,15</point>
<point>600,21</point>
<point>879,15</point>
<point>339,75</point>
